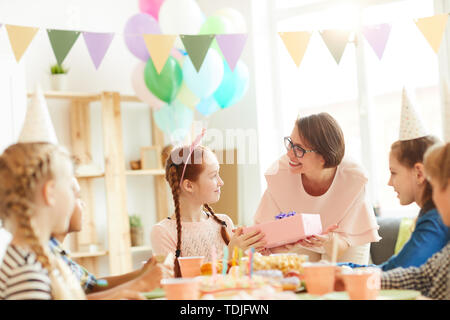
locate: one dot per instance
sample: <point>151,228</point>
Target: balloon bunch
<point>179,88</point>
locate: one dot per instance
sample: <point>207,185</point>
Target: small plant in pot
<point>136,231</point>
<point>58,77</point>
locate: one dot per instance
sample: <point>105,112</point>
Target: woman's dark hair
<point>410,152</point>
<point>323,134</point>
<point>174,169</point>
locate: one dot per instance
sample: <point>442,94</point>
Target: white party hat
<point>411,125</point>
<point>38,126</point>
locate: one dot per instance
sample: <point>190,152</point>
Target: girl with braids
<point>36,199</point>
<point>193,176</point>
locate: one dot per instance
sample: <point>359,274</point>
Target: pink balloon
<point>141,90</point>
<point>150,7</point>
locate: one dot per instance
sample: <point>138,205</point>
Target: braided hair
<point>174,171</point>
<point>23,167</point>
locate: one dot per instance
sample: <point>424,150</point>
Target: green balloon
<point>164,85</point>
<point>215,25</point>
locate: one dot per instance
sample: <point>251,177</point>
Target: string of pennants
<point>159,46</point>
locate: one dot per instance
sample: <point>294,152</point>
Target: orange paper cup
<point>319,278</point>
<point>190,266</point>
<point>181,288</point>
<point>363,284</point>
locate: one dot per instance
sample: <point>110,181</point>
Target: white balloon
<point>237,19</point>
<point>180,17</point>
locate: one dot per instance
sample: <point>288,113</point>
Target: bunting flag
<point>159,47</point>
<point>62,41</point>
<point>97,44</point>
<point>231,46</point>
<point>196,47</point>
<point>296,44</point>
<point>20,38</point>
<point>377,36</point>
<point>433,29</point>
<point>336,41</point>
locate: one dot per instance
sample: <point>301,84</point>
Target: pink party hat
<point>411,125</point>
<point>38,126</point>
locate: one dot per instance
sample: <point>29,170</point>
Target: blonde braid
<point>22,167</point>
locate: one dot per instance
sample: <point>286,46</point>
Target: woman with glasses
<point>313,177</point>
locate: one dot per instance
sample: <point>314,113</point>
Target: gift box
<point>288,228</point>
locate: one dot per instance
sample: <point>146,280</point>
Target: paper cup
<point>319,278</point>
<point>181,288</point>
<point>363,284</point>
<point>190,266</point>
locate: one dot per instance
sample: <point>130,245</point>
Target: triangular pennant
<point>20,38</point>
<point>296,44</point>
<point>377,36</point>
<point>231,46</point>
<point>336,41</point>
<point>411,125</point>
<point>433,29</point>
<point>196,47</point>
<point>38,126</point>
<point>62,41</point>
<point>159,47</point>
<point>97,44</point>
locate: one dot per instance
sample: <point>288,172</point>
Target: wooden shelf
<point>150,172</point>
<point>88,254</point>
<point>83,96</point>
<point>140,249</point>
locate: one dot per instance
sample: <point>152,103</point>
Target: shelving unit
<point>119,251</point>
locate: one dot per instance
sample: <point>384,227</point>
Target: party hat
<point>411,125</point>
<point>38,126</point>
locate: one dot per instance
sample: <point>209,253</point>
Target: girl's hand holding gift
<point>245,241</point>
<point>318,240</point>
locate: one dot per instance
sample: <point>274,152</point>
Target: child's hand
<point>245,241</point>
<point>150,279</point>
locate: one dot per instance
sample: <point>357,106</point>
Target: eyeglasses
<point>299,152</point>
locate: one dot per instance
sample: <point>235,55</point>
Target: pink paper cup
<point>319,278</point>
<point>363,284</point>
<point>190,266</point>
<point>181,288</point>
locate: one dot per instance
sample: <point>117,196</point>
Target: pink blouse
<point>197,238</point>
<point>344,203</point>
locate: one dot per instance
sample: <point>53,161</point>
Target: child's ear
<point>48,192</point>
<point>419,171</point>
<point>188,185</point>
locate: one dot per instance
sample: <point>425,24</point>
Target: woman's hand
<point>245,241</point>
<point>318,240</point>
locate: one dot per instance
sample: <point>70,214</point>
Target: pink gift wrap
<point>287,230</point>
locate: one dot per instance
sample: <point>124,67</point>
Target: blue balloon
<point>207,106</point>
<point>233,86</point>
<point>175,119</point>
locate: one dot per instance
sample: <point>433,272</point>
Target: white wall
<point>113,74</point>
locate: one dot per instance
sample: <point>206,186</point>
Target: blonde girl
<point>36,200</point>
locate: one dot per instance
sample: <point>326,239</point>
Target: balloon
<point>237,20</point>
<point>150,7</point>
<point>135,27</point>
<point>205,82</point>
<point>187,97</point>
<point>216,25</point>
<point>180,17</point>
<point>141,90</point>
<point>174,119</point>
<point>233,86</point>
<point>166,84</point>
<point>207,106</point>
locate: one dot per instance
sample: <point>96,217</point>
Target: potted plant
<point>136,231</point>
<point>58,77</point>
